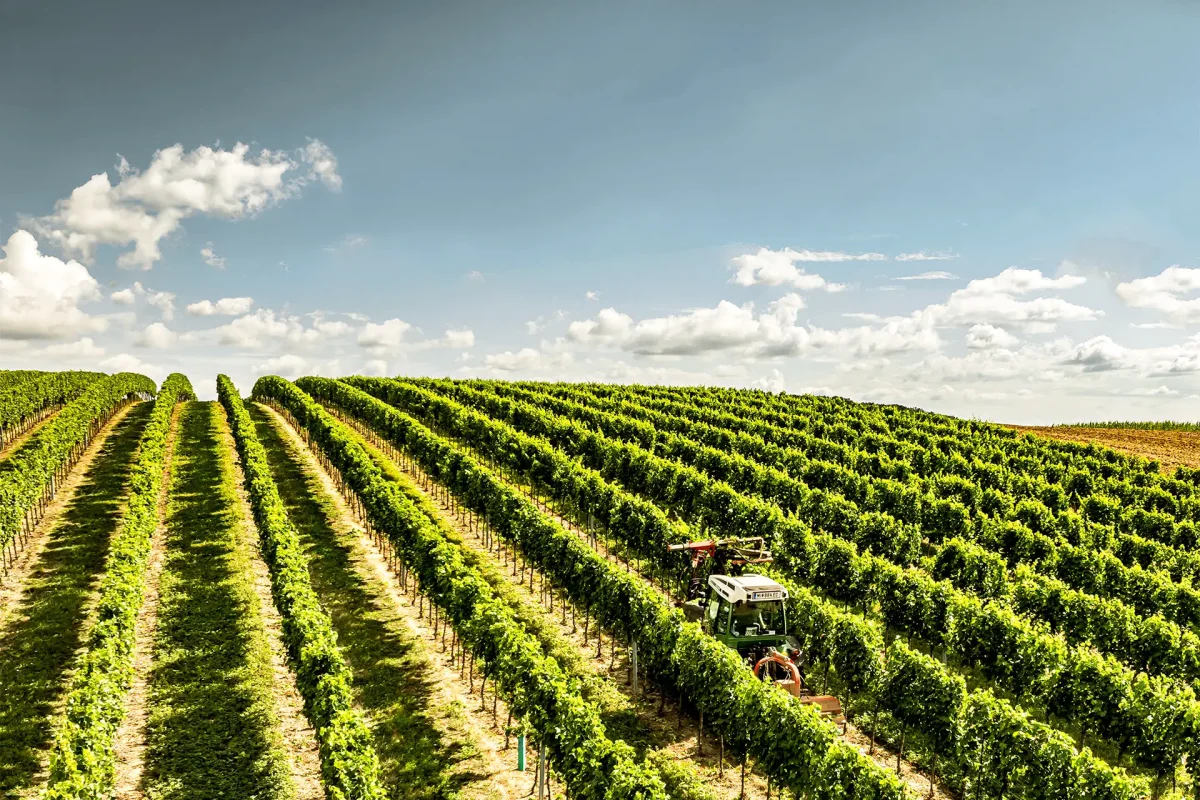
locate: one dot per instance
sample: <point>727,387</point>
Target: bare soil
<point>1170,448</point>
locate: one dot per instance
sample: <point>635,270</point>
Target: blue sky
<point>449,168</point>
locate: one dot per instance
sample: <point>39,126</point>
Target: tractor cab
<point>746,612</point>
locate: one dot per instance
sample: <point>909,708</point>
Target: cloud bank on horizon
<point>948,231</point>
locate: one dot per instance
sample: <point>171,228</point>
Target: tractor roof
<point>747,588</point>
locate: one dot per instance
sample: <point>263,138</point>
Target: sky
<point>988,210</point>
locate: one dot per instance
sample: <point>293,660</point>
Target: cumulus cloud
<point>993,300</point>
<point>986,337</point>
<point>527,360</point>
<point>157,336</point>
<point>768,267</point>
<point>226,306</point>
<point>1099,354</point>
<point>773,332</point>
<point>389,335</point>
<point>592,295</point>
<point>773,383</point>
<point>1165,292</point>
<point>85,347</point>
<point>143,208</point>
<point>322,164</point>
<point>124,362</point>
<point>40,295</point>
<point>163,301</point>
<point>264,327</point>
<point>211,258</point>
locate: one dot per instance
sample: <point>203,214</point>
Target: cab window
<point>763,619</point>
<point>721,623</point>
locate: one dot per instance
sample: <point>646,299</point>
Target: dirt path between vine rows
<point>12,584</point>
<point>464,734</point>
<point>883,756</point>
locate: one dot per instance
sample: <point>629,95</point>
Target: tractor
<point>748,613</point>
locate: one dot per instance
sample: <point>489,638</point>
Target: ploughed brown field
<point>1169,448</point>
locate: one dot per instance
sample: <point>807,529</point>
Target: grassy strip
<point>533,685</point>
<point>45,630</point>
<point>212,730</point>
<point>349,766</point>
<point>82,762</point>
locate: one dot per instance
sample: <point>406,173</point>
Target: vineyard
<point>424,588</point>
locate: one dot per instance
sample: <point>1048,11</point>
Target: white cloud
<point>143,208</point>
<point>732,327</point>
<point>164,302</point>
<point>937,275</point>
<point>389,335</point>
<point>778,267</point>
<point>773,383</point>
<point>1164,293</point>
<point>157,336</point>
<point>863,316</point>
<point>226,306</point>
<point>1150,326</point>
<point>286,366</point>
<point>987,337</point>
<point>211,258</point>
<point>82,348</point>
<point>475,276</point>
<point>40,295</point>
<point>1099,354</point>
<point>322,163</point>
<point>263,327</point>
<point>376,366</point>
<point>459,338</point>
<point>124,362</point>
<point>593,295</point>
<point>127,297</point>
<point>992,300</point>
<point>922,255</point>
<point>527,360</point>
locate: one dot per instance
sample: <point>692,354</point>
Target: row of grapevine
<point>981,633</point>
<point>349,764</point>
<point>789,741</point>
<point>533,685</point>
<point>30,477</point>
<point>841,639</point>
<point>25,402</point>
<point>1037,472</point>
<point>82,760</point>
